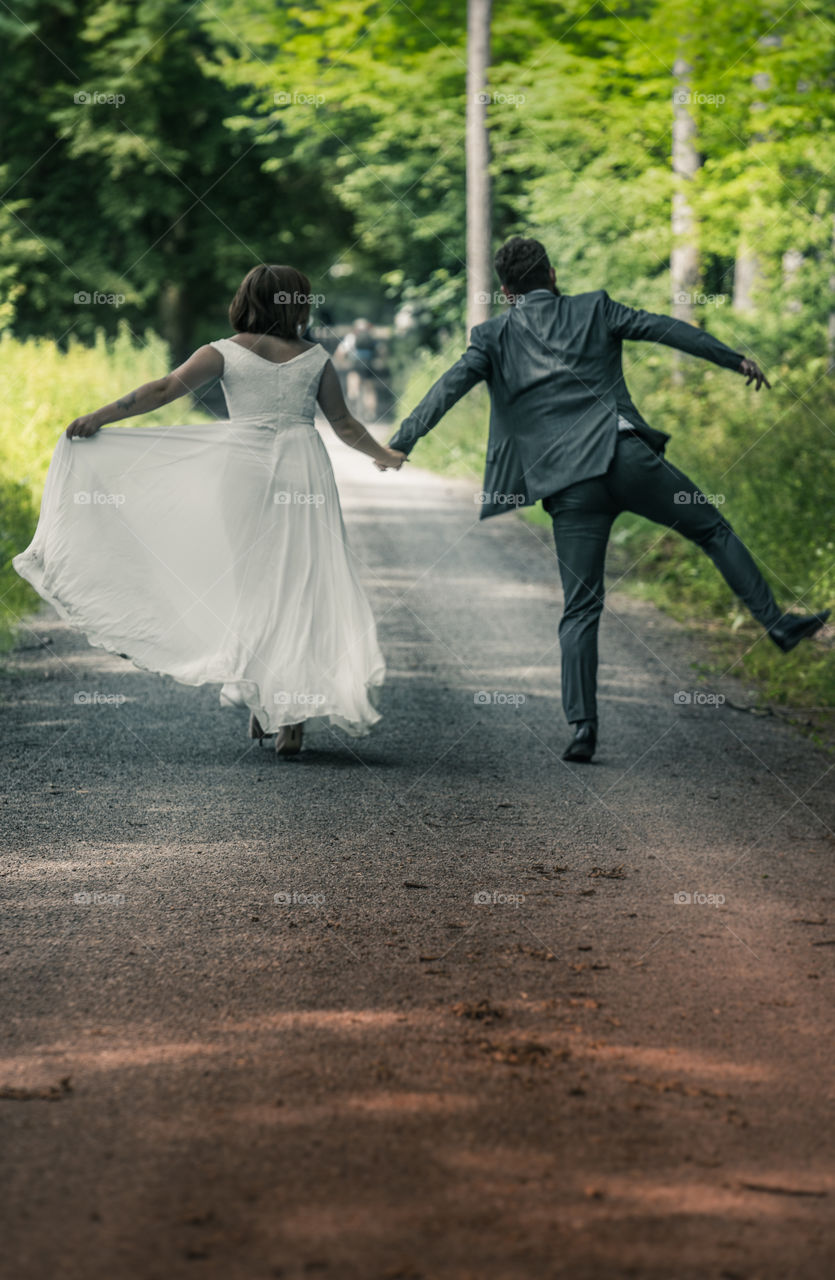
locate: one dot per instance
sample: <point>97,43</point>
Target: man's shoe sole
<point>811,629</point>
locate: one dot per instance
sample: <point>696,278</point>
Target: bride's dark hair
<point>271,299</point>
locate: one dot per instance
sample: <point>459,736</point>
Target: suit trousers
<point>639,479</point>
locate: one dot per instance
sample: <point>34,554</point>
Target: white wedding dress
<point>217,552</point>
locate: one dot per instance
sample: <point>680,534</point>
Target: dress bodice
<point>277,395</point>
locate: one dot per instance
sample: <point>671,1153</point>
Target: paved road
<point>481,1041</point>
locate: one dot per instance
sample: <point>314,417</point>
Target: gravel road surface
<point>427,1005</point>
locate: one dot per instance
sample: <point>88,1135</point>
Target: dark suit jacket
<point>553,367</point>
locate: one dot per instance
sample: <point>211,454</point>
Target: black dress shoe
<point>581,747</point>
<point>792,628</point>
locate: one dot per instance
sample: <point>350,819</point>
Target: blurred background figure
<point>355,360</point>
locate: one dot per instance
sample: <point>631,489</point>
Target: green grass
<point>42,388</point>
<point>771,455</point>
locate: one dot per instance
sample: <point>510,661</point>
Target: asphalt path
<point>426,1005</point>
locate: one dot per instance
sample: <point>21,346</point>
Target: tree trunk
<point>792,262</point>
<point>748,272</point>
<point>684,258</point>
<point>830,367</point>
<point>479,264</point>
<point>174,320</point>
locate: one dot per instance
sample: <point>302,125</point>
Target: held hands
<point>87,425</point>
<point>752,371</point>
<point>393,462</point>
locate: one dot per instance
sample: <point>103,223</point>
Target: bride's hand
<point>86,425</point>
<point>393,462</point>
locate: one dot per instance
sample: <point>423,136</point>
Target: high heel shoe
<point>255,730</point>
<point>288,740</point>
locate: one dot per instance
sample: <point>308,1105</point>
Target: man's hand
<point>87,425</point>
<point>752,371</point>
<point>394,461</point>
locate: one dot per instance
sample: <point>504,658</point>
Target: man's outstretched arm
<point>646,326</point>
<point>473,366</point>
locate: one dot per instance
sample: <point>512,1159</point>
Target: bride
<point>217,552</point>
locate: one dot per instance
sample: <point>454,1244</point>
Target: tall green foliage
<point>134,194</point>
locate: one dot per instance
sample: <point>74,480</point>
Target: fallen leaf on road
<point>200,1219</point>
<point>539,953</point>
<point>676,1086</point>
<point>483,1010</point>
<point>526,1053</point>
<point>49,1093</point>
<point>541,869</point>
<point>784,1191</point>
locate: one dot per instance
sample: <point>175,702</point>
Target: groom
<point>563,429</point>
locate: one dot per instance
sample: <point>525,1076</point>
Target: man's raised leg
<point>644,482</point>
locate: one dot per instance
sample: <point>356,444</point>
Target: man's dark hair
<point>522,265</point>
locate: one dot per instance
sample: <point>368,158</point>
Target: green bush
<point>17,524</point>
<point>42,388</point>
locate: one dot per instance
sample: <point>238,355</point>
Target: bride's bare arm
<point>346,426</point>
<point>206,363</point>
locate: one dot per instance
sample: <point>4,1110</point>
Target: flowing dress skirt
<point>213,553</point>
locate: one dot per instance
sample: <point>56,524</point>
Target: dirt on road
<point>431,1005</point>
